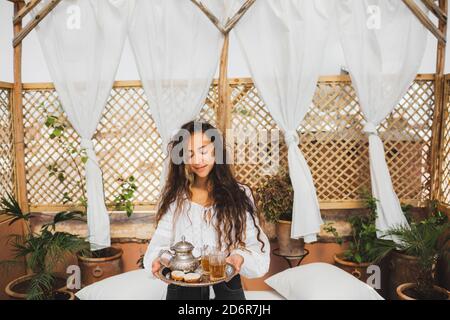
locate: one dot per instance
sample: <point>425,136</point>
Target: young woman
<point>203,201</point>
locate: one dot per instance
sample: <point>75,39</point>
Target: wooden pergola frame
<point>439,9</point>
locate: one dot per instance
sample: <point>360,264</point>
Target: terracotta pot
<point>358,270</point>
<point>405,286</point>
<point>443,273</point>
<point>402,269</point>
<point>96,269</point>
<point>287,245</point>
<point>66,295</point>
<point>16,289</point>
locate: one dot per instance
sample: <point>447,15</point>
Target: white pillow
<point>132,285</point>
<point>320,281</point>
<point>263,295</point>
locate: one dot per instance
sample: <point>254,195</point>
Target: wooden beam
<point>441,96</point>
<point>6,85</point>
<point>34,22</point>
<point>230,23</point>
<point>210,15</point>
<point>27,8</point>
<point>437,11</point>
<point>238,15</point>
<point>426,22</point>
<point>17,122</point>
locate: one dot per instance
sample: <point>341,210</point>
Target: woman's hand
<point>236,260</point>
<point>156,265</point>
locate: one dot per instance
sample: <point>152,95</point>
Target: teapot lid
<point>183,246</point>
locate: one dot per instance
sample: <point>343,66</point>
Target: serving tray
<point>164,275</point>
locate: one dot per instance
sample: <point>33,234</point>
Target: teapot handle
<point>165,257</point>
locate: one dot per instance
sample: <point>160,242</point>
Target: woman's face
<point>200,154</point>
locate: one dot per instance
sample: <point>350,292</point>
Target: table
<point>289,259</point>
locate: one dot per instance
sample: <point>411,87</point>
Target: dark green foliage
<point>124,201</point>
<point>363,246</point>
<point>42,251</point>
<point>425,240</point>
<point>276,197</point>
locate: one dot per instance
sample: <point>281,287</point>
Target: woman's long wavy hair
<point>229,199</point>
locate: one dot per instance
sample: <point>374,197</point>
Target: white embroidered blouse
<point>193,223</point>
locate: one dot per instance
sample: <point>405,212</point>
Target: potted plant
<point>404,267</point>
<point>422,240</point>
<point>42,252</point>
<point>364,247</point>
<point>99,264</point>
<point>275,199</point>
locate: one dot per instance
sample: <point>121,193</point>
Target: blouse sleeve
<point>256,261</point>
<point>161,239</point>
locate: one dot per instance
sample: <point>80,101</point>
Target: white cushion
<point>320,281</point>
<point>263,295</point>
<point>132,285</point>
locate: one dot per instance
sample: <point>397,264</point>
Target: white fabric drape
<point>383,45</point>
<point>177,51</point>
<point>283,42</point>
<point>82,41</point>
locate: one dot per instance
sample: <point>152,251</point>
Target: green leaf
<point>57,132</point>
<point>11,208</point>
<point>50,121</point>
<point>61,177</point>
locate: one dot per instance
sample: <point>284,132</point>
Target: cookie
<point>192,277</point>
<point>177,275</point>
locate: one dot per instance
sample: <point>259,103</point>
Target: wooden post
<point>224,112</point>
<point>225,105</point>
<point>17,117</point>
<point>440,104</point>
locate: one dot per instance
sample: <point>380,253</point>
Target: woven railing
<point>444,156</point>
<point>6,141</point>
<point>337,150</point>
<point>128,144</point>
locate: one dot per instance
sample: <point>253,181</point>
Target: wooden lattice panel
<point>6,143</point>
<point>407,135</point>
<point>126,143</point>
<point>41,151</point>
<point>334,145</point>
<point>209,110</point>
<point>444,194</point>
<point>249,116</point>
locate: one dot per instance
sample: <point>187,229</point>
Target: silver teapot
<point>180,257</point>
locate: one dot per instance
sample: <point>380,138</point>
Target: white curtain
<point>383,45</point>
<point>82,41</point>
<point>283,42</point>
<point>177,51</point>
